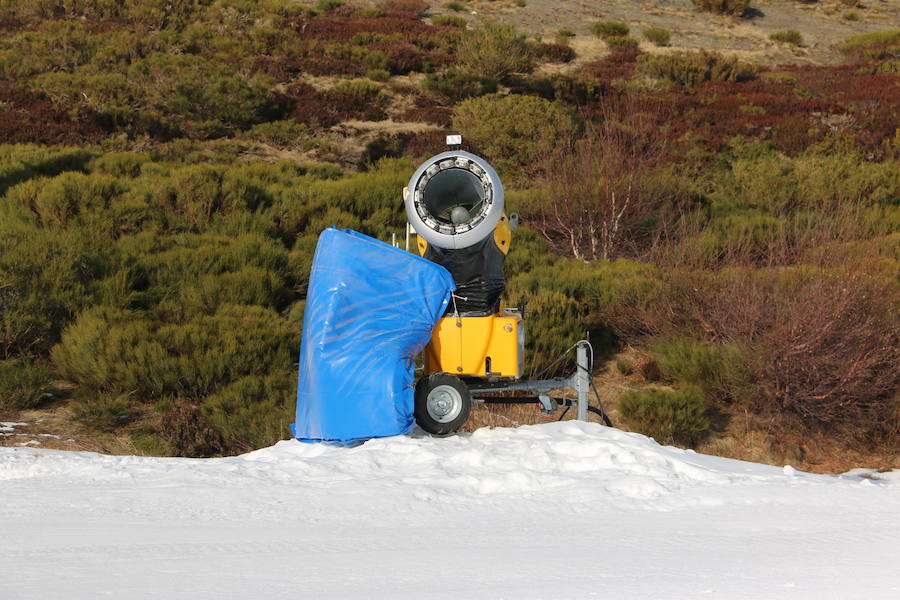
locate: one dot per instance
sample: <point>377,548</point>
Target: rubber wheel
<point>443,403</point>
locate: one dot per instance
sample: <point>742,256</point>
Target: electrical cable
<point>590,370</point>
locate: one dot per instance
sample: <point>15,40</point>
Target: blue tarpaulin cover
<point>370,309</point>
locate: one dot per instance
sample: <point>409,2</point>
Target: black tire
<point>449,395</point>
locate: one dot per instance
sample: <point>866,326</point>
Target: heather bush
<point>668,416</point>
<point>494,51</point>
<point>253,411</point>
<point>789,36</point>
<point>45,279</point>
<point>719,370</point>
<point>188,433</point>
<point>609,29</point>
<point>115,350</point>
<point>23,384</point>
<point>725,7</point>
<point>514,131</point>
<point>454,85</point>
<point>449,21</point>
<point>104,412</point>
<point>657,35</point>
<point>692,68</point>
<point>561,53</point>
<point>361,89</point>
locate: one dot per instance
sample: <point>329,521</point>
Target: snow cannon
<point>454,204</point>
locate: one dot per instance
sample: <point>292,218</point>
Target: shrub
<point>493,50</point>
<point>850,16</point>
<point>45,278</point>
<point>657,35</point>
<point>361,89</point>
<point>790,36</point>
<point>250,285</point>
<point>411,6</point>
<point>328,5</point>
<point>455,85</point>
<point>189,433</point>
<point>564,35</point>
<point>623,46</point>
<point>725,7</point>
<point>449,21</point>
<point>147,442</point>
<point>104,412</point>
<point>609,29</point>
<point>23,384</point>
<point>115,350</point>
<point>870,40</point>
<point>560,53</point>
<point>677,417</point>
<point>691,68</point>
<point>455,6</point>
<point>514,131</point>
<point>282,134</point>
<point>720,371</point>
<point>254,411</point>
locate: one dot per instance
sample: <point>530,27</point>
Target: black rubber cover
<point>478,273</point>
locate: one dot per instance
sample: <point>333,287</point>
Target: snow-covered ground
<point>563,510</point>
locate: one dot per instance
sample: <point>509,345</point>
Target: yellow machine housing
<point>491,346</point>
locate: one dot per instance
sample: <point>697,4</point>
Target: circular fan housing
<point>454,200</point>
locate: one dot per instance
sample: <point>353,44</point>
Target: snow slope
<point>563,510</point>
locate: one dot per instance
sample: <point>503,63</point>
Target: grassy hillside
<point>728,231</point>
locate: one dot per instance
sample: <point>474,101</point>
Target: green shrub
<point>282,134</point>
<point>493,51</point>
<point>790,36</point>
<point>449,21</point>
<point>719,370</point>
<point>624,366</point>
<point>691,68</point>
<point>657,35</point>
<point>455,6</point>
<point>564,35</point>
<point>115,350</point>
<point>370,59</point>
<point>23,384</point>
<point>516,132</point>
<point>455,85</point>
<point>851,15</point>
<point>871,39</point>
<point>250,285</point>
<point>362,89</point>
<point>725,7</point>
<point>677,417</point>
<point>148,443</point>
<point>103,412</point>
<point>621,44</point>
<point>609,29</point>
<point>45,278</point>
<point>254,411</point>
<point>328,5</point>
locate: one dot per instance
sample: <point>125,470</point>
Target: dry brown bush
<point>823,344</point>
<point>189,433</point>
<point>592,194</point>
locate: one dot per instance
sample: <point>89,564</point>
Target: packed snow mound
<point>562,510</point>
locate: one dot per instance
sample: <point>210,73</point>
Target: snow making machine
<point>454,205</point>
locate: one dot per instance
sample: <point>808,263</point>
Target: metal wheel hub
<point>444,403</point>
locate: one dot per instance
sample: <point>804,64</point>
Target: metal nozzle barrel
<point>454,200</point>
